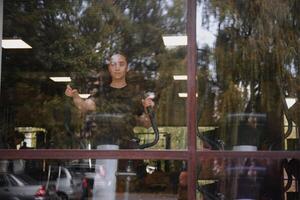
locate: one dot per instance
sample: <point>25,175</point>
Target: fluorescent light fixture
<point>61,79</point>
<point>84,96</point>
<point>15,44</point>
<point>180,77</point>
<point>173,41</point>
<point>184,95</point>
<point>290,101</point>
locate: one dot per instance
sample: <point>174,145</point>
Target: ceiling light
<point>180,77</point>
<point>61,79</point>
<point>84,96</point>
<point>15,44</point>
<point>173,41</point>
<point>184,95</point>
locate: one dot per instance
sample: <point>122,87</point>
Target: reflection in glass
<point>75,39</point>
<point>246,178</point>
<point>21,186</point>
<point>81,179</point>
<point>246,68</point>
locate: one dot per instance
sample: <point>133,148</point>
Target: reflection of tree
<point>257,42</point>
<point>73,38</point>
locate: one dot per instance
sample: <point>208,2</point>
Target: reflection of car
<point>68,184</point>
<point>88,173</point>
<point>20,187</point>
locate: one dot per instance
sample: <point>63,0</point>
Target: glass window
<point>247,178</point>
<point>103,179</point>
<point>248,75</point>
<point>94,76</point>
<point>86,73</point>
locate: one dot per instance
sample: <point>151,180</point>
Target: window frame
<point>191,155</point>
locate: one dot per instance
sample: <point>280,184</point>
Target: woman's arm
<point>82,105</point>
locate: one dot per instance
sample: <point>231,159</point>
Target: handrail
<point>152,117</point>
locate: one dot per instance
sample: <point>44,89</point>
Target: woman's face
<point>117,67</point>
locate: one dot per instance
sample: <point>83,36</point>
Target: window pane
<point>112,55</point>
<point>248,71</point>
<point>98,179</point>
<point>248,178</point>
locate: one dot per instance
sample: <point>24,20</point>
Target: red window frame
<point>191,155</point>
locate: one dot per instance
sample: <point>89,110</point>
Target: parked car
<point>21,187</point>
<point>67,183</point>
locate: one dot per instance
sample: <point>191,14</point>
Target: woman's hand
<point>148,102</point>
<point>71,92</point>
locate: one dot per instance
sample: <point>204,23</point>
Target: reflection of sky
<point>204,36</point>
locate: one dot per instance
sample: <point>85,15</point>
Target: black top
<point>115,116</point>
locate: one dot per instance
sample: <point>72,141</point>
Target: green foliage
<point>256,42</point>
<point>75,38</point>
